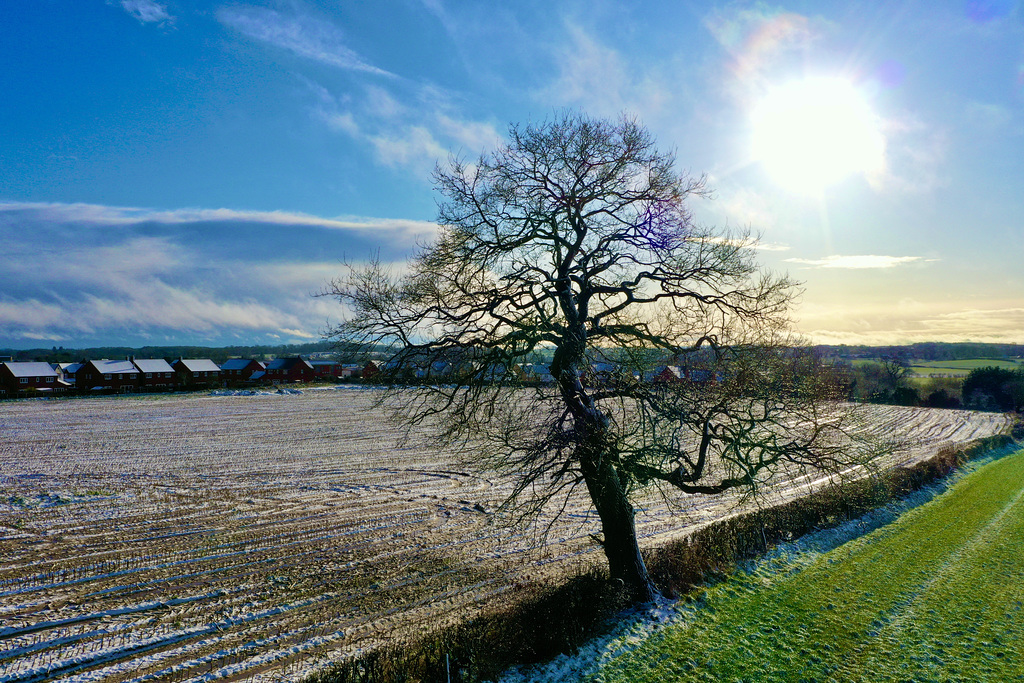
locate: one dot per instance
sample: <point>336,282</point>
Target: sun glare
<point>813,133</point>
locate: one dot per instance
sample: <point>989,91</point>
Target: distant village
<point>134,375</point>
<point>19,379</point>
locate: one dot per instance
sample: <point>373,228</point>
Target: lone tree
<point>574,241</point>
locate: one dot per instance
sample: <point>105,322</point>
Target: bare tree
<point>667,342</point>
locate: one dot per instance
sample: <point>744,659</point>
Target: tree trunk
<point>625,563</point>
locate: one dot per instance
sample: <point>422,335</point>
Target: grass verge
<point>937,595</point>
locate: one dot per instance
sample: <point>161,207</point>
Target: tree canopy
<point>670,361</point>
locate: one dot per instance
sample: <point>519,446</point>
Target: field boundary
<point>537,622</point>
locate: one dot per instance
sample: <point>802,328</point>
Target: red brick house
<point>16,377</point>
<point>668,374</point>
<point>120,376</point>
<point>237,370</point>
<point>327,369</point>
<point>296,369</point>
<point>155,374</point>
<point>196,372</point>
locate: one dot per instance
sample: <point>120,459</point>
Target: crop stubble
<point>253,537</point>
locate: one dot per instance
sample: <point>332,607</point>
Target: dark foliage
<point>994,388</point>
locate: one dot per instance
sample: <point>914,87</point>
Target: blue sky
<point>192,172</point>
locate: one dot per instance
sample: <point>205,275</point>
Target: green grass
<point>938,595</point>
<point>960,368</point>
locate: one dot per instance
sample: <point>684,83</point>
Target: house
<point>16,377</point>
<point>196,372</point>
<point>434,369</point>
<point>603,373</point>
<point>537,372</point>
<point>155,374</point>
<point>705,376</point>
<point>67,371</point>
<point>327,369</point>
<point>120,376</point>
<point>295,369</point>
<point>351,370</point>
<point>236,370</point>
<point>666,374</point>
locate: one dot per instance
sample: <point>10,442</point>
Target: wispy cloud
<point>915,156</point>
<point>1004,324</point>
<point>414,129</point>
<point>760,42</point>
<point>858,261</point>
<point>84,273</point>
<point>300,33</point>
<point>748,244</point>
<point>599,79</point>
<point>98,214</point>
<point>147,11</point>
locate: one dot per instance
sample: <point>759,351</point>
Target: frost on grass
<point>635,626</point>
<point>260,536</point>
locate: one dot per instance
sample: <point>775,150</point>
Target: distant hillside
<point>928,351</point>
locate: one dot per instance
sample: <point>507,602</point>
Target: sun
<point>813,133</point>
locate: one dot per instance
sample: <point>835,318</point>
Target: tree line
<point>889,381</point>
<point>218,354</point>
<point>926,351</point>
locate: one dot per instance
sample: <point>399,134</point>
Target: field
<point>959,368</point>
<point>936,595</point>
<point>193,537</point>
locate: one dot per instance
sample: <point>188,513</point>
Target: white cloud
<point>302,34</point>
<point>121,215</point>
<point>78,272</point>
<point>743,205</point>
<point>29,314</point>
<point>762,43</point>
<point>472,135</point>
<point>909,322</point>
<point>915,157</point>
<point>381,103</point>
<point>857,261</point>
<point>299,333</point>
<point>976,323</point>
<point>414,129</point>
<point>147,11</point>
<point>749,244</point>
<point>412,146</point>
<point>596,78</point>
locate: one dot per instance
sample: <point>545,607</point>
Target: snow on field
<point>254,537</point>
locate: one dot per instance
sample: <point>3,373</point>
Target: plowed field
<point>258,537</point>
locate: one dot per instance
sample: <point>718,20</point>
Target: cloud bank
<point>83,274</point>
